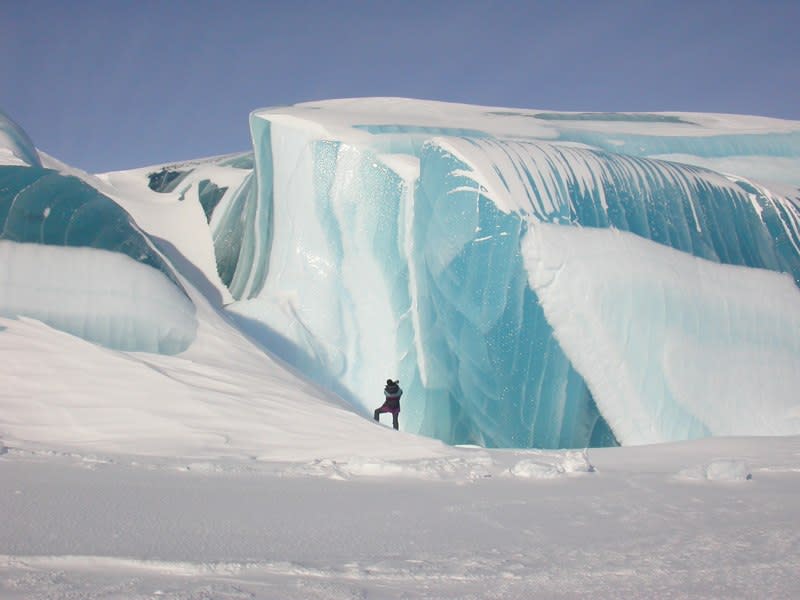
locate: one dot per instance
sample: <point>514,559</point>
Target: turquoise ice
<point>491,259</point>
<point>72,258</point>
<point>394,248</point>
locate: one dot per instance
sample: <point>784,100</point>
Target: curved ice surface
<point>471,254</point>
<point>45,207</point>
<point>484,342</point>
<point>98,295</point>
<point>752,144</point>
<point>691,209</point>
<point>73,258</point>
<point>15,145</point>
<point>672,346</point>
<point>224,187</point>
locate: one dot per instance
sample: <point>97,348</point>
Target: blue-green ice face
<point>41,206</point>
<point>110,287</point>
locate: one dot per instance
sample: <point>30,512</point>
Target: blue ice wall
<point>242,231</point>
<point>687,208</point>
<point>478,358</point>
<point>228,236</point>
<point>506,378</point>
<point>475,354</point>
<point>489,349</point>
<point>709,146</point>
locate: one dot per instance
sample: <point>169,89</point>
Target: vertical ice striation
<point>325,269</point>
<point>535,279</point>
<point>471,183</point>
<point>691,209</point>
<point>389,238</point>
<point>491,351</point>
<point>672,338</point>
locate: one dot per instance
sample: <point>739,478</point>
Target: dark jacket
<point>392,392</point>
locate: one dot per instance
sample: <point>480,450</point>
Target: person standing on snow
<point>392,393</point>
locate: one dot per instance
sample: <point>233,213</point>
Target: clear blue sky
<point>108,84</point>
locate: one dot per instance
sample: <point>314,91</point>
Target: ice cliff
<point>533,278</point>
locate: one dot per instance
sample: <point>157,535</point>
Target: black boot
<point>395,424</point>
<point>377,415</point>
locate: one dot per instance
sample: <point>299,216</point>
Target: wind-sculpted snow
<point>74,259</point>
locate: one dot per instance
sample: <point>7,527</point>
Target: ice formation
<point>533,278</point>
<point>394,247</point>
<point>72,258</point>
<point>15,145</point>
<point>673,337</point>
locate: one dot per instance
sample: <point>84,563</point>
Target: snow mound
<point>98,295</point>
<point>459,468</point>
<point>724,469</point>
<point>540,468</point>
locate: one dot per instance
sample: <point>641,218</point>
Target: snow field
<point>470,525</point>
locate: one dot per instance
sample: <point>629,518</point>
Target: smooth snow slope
<point>222,398</point>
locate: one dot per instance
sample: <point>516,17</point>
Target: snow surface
<point>223,472</point>
<point>714,518</point>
